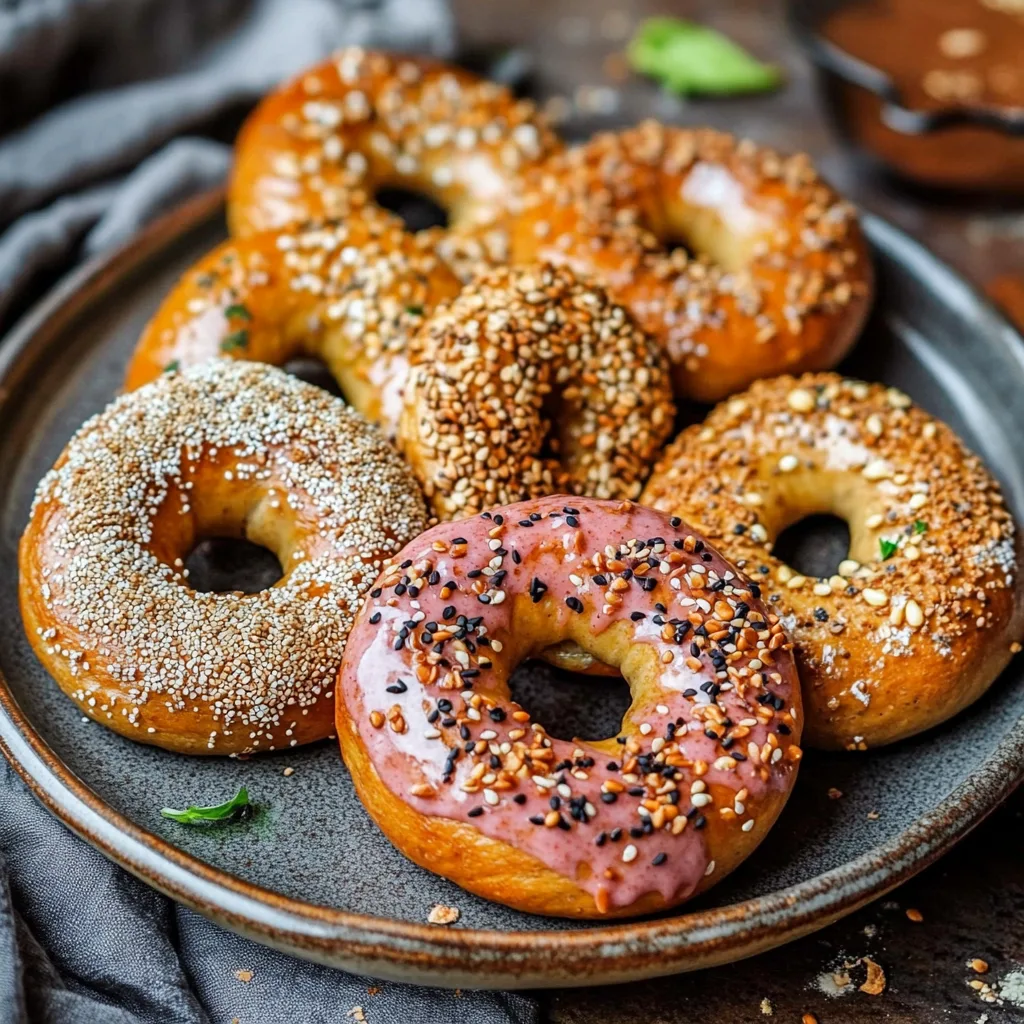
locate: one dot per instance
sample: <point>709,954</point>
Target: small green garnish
<point>237,339</point>
<point>172,366</point>
<point>414,310</point>
<point>887,547</point>
<point>200,815</point>
<point>920,526</point>
<point>687,57</point>
<point>238,312</point>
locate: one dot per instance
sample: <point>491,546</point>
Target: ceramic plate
<point>311,874</point>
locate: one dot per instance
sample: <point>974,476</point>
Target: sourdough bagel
<point>227,449</point>
<point>465,784</point>
<point>353,294</point>
<point>922,616</point>
<point>530,382</point>
<point>780,279</point>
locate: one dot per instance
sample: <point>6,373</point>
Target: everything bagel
<point>322,144</point>
<point>779,279</point>
<point>530,382</point>
<point>924,613</point>
<point>352,293</point>
<point>465,784</point>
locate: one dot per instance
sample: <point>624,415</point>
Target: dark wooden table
<point>971,904</point>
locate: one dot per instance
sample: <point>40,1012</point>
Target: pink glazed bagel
<point>464,783</point>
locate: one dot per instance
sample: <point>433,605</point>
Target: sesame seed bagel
<point>464,783</point>
<point>921,616</point>
<point>325,142</point>
<point>525,358</point>
<point>352,293</point>
<point>227,449</point>
<point>780,279</point>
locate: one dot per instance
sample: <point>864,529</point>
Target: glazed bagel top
<point>523,355</point>
<point>780,277</point>
<point>354,293</point>
<point>930,587</point>
<point>106,518</point>
<point>425,683</point>
<point>321,144</point>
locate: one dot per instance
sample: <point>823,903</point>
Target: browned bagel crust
<point>523,357</point>
<point>323,143</point>
<point>463,783</point>
<point>781,280</point>
<point>230,448</point>
<point>925,612</point>
<point>353,294</point>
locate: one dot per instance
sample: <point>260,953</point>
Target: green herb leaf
<point>887,547</point>
<point>687,57</point>
<point>199,815</point>
<point>237,339</point>
<point>920,526</point>
<point>238,312</point>
<point>172,366</point>
<point>414,310</point>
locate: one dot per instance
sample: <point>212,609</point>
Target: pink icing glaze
<point>670,859</point>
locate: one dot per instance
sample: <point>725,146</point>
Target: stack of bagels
<point>516,379</point>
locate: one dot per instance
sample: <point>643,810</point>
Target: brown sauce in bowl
<point>939,53</point>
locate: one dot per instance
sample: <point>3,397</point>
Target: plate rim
<point>405,950</point>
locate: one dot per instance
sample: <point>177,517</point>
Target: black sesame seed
<point>660,859</point>
<point>474,812</point>
<point>397,687</point>
<point>375,618</point>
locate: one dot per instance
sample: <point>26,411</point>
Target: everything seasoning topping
<point>596,198</point>
<point>337,124</point>
<point>714,742</point>
<point>932,563</point>
<point>529,355</point>
<point>353,293</point>
<point>144,459</point>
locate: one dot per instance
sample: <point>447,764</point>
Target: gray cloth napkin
<point>95,96</point>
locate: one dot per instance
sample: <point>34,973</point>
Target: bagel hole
<point>417,209</point>
<point>221,565</point>
<point>568,704</point>
<point>674,243</point>
<point>313,371</point>
<point>815,545</point>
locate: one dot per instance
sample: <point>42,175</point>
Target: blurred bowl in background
<point>944,128</point>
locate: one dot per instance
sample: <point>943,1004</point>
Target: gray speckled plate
<point>311,874</point>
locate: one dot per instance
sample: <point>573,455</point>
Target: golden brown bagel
<point>227,449</point>
<point>464,784</point>
<point>322,144</point>
<point>780,279</point>
<point>352,294</point>
<point>527,357</point>
<point>919,620</point>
